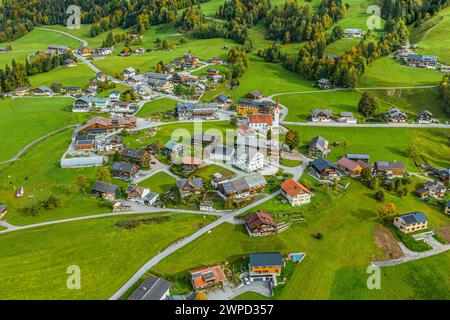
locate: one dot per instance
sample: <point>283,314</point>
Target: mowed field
<point>383,144</point>
<point>410,101</point>
<point>335,266</point>
<point>436,40</point>
<point>39,172</point>
<point>389,72</point>
<point>154,107</point>
<point>34,262</point>
<point>78,76</point>
<point>32,42</point>
<point>30,119</point>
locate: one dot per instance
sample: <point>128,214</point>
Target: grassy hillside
<point>34,264</point>
<point>30,119</point>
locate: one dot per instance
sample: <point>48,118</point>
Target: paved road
<point>411,255</point>
<point>229,217</point>
<point>36,141</point>
<point>84,42</point>
<point>367,125</point>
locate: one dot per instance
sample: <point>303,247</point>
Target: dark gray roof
<point>196,183</point>
<point>104,187</point>
<point>265,259</point>
<point>353,156</point>
<point>133,153</point>
<point>321,164</point>
<point>2,207</point>
<point>319,143</point>
<point>324,112</point>
<point>222,150</point>
<point>384,165</point>
<point>414,217</point>
<point>151,289</point>
<point>123,166</point>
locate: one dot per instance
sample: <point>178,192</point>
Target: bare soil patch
<point>387,243</point>
<point>444,232</point>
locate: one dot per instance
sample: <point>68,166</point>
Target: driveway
<point>228,293</point>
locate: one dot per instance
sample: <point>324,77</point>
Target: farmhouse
<point>447,208</point>
<point>351,167</point>
<point>207,277</point>
<point>199,88</point>
<point>347,117</point>
<point>43,91</point>
<point>160,85</point>
<point>216,60</point>
<point>411,222</point>
<point>114,96</point>
<point>353,33</point>
<point>420,60</point>
<point>190,164</point>
<point>318,148</point>
<point>394,115</point>
<point>129,72</point>
<point>389,168</point>
<point>425,116</point>
<point>254,95</point>
<point>222,153</point>
<point>260,224</point>
<point>152,289</point>
<point>249,161</point>
<point>254,107</point>
<point>142,196</point>
<point>206,206</point>
<point>265,266</point>
<point>356,157</point>
<point>74,91</point>
<point>241,187</point>
<point>84,51</point>
<point>172,148</point>
<point>296,193</point>
<point>325,169</point>
<point>159,76</point>
<point>136,156</point>
<point>223,101</point>
<point>99,125</point>
<point>324,84</point>
<point>70,63</point>
<point>432,189</point>
<point>190,186</point>
<point>3,210</point>
<point>260,122</point>
<point>85,141</point>
<point>124,170</point>
<point>105,190</point>
<point>321,115</point>
<point>203,111</point>
<point>21,91</point>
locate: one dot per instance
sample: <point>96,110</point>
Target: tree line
<point>20,16</point>
<point>411,11</point>
<point>297,23</point>
<point>16,75</point>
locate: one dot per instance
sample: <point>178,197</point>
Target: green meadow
<point>155,107</point>
<point>32,42</point>
<point>34,265</point>
<point>335,266</point>
<point>78,76</point>
<point>40,174</point>
<point>389,72</point>
<point>30,119</point>
<point>383,144</point>
<point>436,40</point>
<point>159,183</point>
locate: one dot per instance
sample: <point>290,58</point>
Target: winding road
<point>223,216</point>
